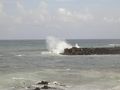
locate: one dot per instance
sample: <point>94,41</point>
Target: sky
<point>71,19</point>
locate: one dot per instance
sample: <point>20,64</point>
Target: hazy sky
<point>36,19</point>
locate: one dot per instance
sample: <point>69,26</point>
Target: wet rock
<point>28,87</point>
<point>45,87</point>
<point>37,88</point>
<point>91,51</point>
<point>43,83</point>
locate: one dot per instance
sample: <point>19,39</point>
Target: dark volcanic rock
<point>43,82</point>
<point>91,51</point>
<point>45,87</point>
<point>37,88</point>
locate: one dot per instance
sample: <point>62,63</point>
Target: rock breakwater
<point>91,51</point>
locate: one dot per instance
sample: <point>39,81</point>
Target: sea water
<point>25,62</point>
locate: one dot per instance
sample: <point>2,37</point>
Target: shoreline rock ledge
<point>91,51</point>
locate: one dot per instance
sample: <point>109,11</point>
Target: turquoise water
<point>22,64</point>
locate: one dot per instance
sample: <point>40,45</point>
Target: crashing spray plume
<point>56,46</point>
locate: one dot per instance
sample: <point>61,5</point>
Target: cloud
<point>47,18</point>
<point>112,19</point>
<point>74,16</point>
<point>62,11</point>
<point>1,8</point>
<point>18,20</point>
<point>20,7</point>
<point>36,15</point>
<point>42,14</point>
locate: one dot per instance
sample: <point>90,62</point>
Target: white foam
<point>56,46</point>
<point>19,55</point>
<point>77,46</point>
<point>114,45</point>
<point>15,78</point>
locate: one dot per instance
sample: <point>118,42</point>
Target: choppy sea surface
<point>23,64</point>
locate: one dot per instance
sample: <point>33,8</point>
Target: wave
<point>20,55</point>
<point>114,45</point>
<point>55,46</point>
<point>91,80</point>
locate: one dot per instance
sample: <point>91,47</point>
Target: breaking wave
<point>56,46</point>
<point>114,45</point>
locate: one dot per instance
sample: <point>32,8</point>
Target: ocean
<point>25,62</point>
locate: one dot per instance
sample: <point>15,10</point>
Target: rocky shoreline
<point>91,51</point>
<point>46,85</point>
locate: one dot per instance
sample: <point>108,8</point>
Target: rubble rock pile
<point>91,51</point>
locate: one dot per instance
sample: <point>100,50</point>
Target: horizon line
<point>66,39</point>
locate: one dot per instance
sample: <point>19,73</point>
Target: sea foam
<point>56,46</point>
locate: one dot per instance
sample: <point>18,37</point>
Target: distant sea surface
<point>22,63</point>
